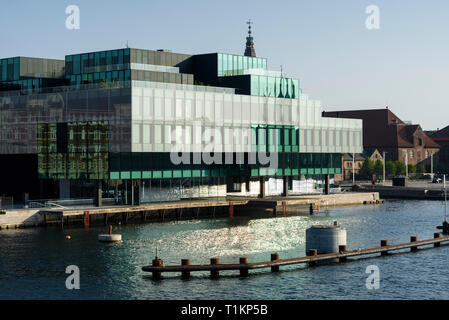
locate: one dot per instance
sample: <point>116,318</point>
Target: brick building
<point>385,131</point>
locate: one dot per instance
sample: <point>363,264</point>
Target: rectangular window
<point>120,57</point>
<point>220,64</point>
<point>76,64</point>
<point>240,65</point>
<point>225,65</point>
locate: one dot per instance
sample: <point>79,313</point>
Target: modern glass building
<point>147,125</point>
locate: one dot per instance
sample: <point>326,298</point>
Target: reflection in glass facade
<point>117,116</point>
<point>75,150</point>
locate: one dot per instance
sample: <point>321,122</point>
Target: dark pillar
<point>285,186</point>
<point>327,189</point>
<point>262,189</point>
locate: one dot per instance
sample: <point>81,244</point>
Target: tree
<point>378,168</point>
<point>367,169</point>
<point>420,169</point>
<point>411,168</point>
<point>400,167</point>
<point>390,168</point>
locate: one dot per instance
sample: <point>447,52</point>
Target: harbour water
<point>33,261</point>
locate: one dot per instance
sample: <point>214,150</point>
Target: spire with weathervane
<point>250,51</point>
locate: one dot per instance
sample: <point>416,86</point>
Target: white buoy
<point>325,238</point>
<point>110,237</point>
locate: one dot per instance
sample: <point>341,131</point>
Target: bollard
<point>243,271</point>
<point>86,219</point>
<point>342,249</point>
<point>384,243</point>
<point>214,273</point>
<point>110,230</point>
<point>436,236</point>
<point>414,239</point>
<point>311,253</point>
<point>185,274</point>
<point>157,263</point>
<point>274,257</point>
<point>284,208</point>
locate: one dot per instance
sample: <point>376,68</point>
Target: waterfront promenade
<point>178,210</point>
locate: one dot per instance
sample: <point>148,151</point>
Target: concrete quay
<point>177,210</point>
<point>410,193</point>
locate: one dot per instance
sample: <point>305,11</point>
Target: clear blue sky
<point>324,43</point>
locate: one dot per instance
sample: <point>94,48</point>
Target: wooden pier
<point>157,268</point>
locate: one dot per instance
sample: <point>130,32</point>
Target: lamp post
<point>383,154</point>
<point>353,169</point>
<point>431,164</point>
<point>406,164</point>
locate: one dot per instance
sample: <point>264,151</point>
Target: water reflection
<point>33,261</point>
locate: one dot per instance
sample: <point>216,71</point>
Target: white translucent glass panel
<point>237,109</point>
<point>137,106</point>
<point>227,109</point>
<point>295,112</point>
<point>158,108</point>
<point>146,134</point>
<point>168,116</point>
<point>168,109</point>
<point>188,110</point>
<point>255,110</point>
<point>179,109</point>
<point>209,114</point>
<point>199,108</point>
<point>246,110</point>
<point>148,108</point>
<point>218,110</point>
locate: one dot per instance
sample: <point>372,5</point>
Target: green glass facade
<point>159,165</point>
<point>234,65</point>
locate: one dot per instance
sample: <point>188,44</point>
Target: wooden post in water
<point>157,263</point>
<point>274,257</point>
<point>436,236</point>
<point>231,210</point>
<point>214,273</point>
<point>284,208</point>
<point>384,243</point>
<point>185,274</point>
<point>414,239</point>
<point>312,253</point>
<point>86,219</point>
<point>243,271</point>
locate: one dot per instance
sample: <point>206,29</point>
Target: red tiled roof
<point>430,143</point>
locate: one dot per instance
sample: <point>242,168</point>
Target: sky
<point>324,43</point>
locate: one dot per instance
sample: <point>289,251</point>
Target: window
<point>220,64</point>
<point>412,154</point>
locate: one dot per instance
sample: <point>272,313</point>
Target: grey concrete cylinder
<point>325,239</point>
